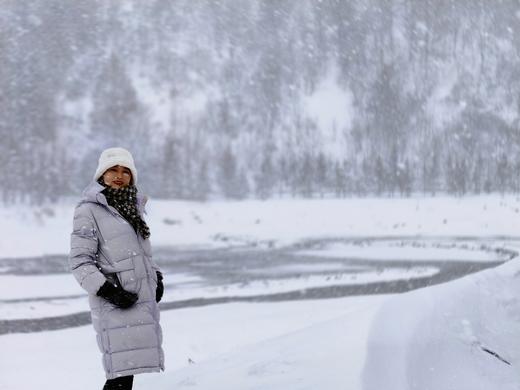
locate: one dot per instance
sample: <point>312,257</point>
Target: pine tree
<point>322,180</point>
<point>265,179</point>
<point>117,111</point>
<point>502,172</point>
<point>405,179</point>
<point>233,182</point>
<point>172,169</point>
<point>306,176</point>
<point>340,179</point>
<point>283,177</point>
<point>380,176</point>
<point>478,175</point>
<point>202,186</point>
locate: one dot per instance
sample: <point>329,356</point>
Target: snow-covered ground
<point>462,335</point>
<point>69,359</point>
<point>415,250</point>
<point>432,338</point>
<point>275,222</point>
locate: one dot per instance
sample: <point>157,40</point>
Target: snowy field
<point>275,222</point>
<point>455,335</point>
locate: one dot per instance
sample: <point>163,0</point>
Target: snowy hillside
<point>254,98</point>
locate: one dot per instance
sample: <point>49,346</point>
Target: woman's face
<point>117,177</point>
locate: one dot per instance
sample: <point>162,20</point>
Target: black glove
<point>159,291</point>
<point>117,295</point>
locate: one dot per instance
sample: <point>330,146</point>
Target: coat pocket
<point>126,275</point>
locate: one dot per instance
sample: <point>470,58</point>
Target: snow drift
<point>460,335</point>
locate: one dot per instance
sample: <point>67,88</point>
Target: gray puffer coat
<point>105,246</point>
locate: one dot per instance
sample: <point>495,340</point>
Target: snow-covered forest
<point>258,98</point>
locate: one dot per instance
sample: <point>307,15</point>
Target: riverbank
<point>38,231</point>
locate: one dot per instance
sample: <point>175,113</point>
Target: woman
<point>111,259</point>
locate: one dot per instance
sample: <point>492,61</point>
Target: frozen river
<point>314,269</point>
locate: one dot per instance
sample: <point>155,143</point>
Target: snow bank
<point>437,337</point>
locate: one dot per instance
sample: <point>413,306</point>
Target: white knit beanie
<point>115,156</point>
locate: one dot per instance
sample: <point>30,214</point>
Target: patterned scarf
<point>124,200</point>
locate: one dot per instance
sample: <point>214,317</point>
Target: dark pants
<point>121,383</point>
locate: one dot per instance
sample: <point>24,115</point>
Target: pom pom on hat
<point>115,156</point>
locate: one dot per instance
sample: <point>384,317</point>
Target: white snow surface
<point>276,222</point>
<point>431,338</point>
<point>384,250</point>
<point>208,336</point>
<point>434,338</point>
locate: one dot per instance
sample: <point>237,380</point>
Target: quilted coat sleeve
<point>83,250</point>
<point>155,267</point>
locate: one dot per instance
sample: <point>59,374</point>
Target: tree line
<point>225,99</point>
